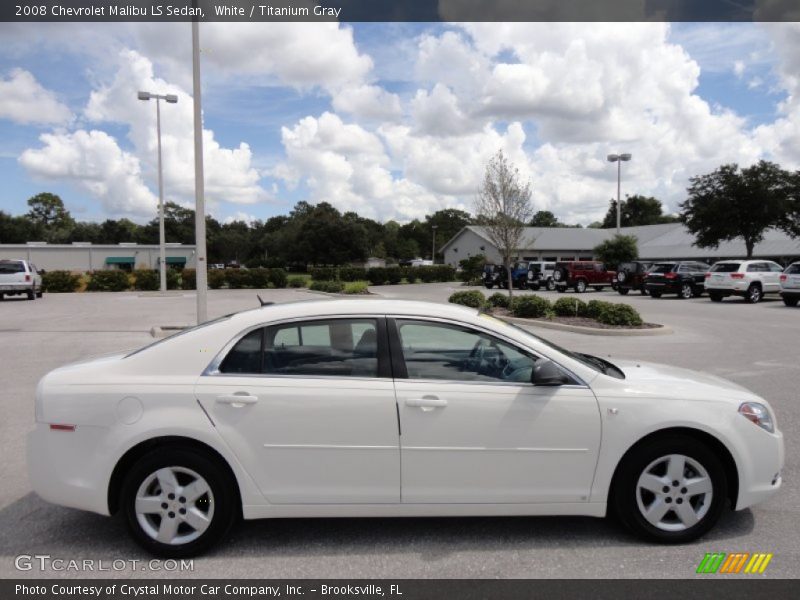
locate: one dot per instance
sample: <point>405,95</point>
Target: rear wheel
<point>561,289</point>
<point>488,285</point>
<point>753,294</point>
<point>790,301</point>
<point>655,294</point>
<point>580,286</point>
<point>670,490</point>
<point>686,291</point>
<point>39,293</point>
<point>623,291</point>
<point>178,502</point>
<point>551,285</point>
<point>715,296</point>
<point>31,294</point>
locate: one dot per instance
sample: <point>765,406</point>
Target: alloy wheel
<point>754,294</point>
<point>686,291</point>
<point>674,492</point>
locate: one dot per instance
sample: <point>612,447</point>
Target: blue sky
<point>391,120</point>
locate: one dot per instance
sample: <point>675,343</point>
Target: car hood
<point>666,381</point>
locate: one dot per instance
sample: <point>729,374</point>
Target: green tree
<point>47,212</point>
<point>503,204</point>
<point>18,229</point>
<point>733,203</point>
<point>448,223</point>
<point>637,210</point>
<point>544,218</point>
<point>619,249</point>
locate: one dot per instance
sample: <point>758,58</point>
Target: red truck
<point>582,274</point>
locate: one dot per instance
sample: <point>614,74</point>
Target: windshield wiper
<point>599,362</point>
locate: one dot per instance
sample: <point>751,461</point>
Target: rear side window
<point>757,268</point>
<point>11,267</point>
<point>662,268</point>
<point>725,267</point>
<point>339,347</point>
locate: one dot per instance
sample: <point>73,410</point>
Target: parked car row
<point>749,279</point>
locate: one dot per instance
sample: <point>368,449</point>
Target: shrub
<point>426,274</point>
<point>108,281</point>
<point>569,307</point>
<point>595,307</point>
<point>352,274</point>
<point>257,278</point>
<point>620,314</point>
<point>188,279</point>
<point>471,268</point>
<point>394,275</point>
<point>409,274</point>
<point>60,281</point>
<point>498,299</point>
<point>297,282</point>
<point>356,287</point>
<point>377,275</point>
<point>332,287</point>
<point>529,306</point>
<point>173,279</point>
<point>278,278</point>
<point>236,278</point>
<point>472,298</point>
<point>146,280</point>
<point>323,273</point>
<point>216,278</point>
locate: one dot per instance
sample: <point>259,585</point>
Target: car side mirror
<point>547,373</point>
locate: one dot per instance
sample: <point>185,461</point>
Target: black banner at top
<point>400,10</point>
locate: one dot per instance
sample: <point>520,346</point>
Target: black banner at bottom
<point>400,589</point>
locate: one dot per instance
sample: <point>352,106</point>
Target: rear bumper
<point>790,293</point>
<point>664,288</point>
<point>15,287</point>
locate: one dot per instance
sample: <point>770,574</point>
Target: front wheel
<point>623,291</point>
<point>178,502</point>
<point>580,286</point>
<point>686,291</point>
<point>670,490</point>
<point>790,301</point>
<point>655,294</point>
<point>753,294</point>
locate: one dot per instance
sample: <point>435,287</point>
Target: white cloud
<point>738,68</point>
<point>368,102</point>
<point>94,162</point>
<point>24,100</point>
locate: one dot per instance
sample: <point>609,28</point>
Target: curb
<point>662,330</point>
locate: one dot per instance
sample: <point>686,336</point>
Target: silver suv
<point>750,279</point>
<point>540,274</point>
<point>19,277</point>
<point>790,284</point>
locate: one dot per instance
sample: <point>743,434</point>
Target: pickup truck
<point>19,277</point>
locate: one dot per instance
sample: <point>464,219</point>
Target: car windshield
<point>521,265</point>
<point>793,269</point>
<point>663,268</point>
<point>725,267</point>
<point>7,268</point>
<point>593,362</point>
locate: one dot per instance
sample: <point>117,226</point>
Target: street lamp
<point>162,267</point>
<point>618,158</point>
<point>433,244</point>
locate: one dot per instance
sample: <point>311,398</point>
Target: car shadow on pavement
<point>32,526</point>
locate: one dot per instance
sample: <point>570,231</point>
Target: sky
<point>391,120</point>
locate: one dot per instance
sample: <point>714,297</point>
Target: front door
<point>474,428</point>
<point>309,409</point>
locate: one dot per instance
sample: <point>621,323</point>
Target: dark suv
<point>582,274</point>
<point>630,276</point>
<point>684,278</point>
<point>495,275</point>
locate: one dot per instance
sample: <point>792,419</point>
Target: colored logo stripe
<point>711,562</point>
<point>758,564</point>
<point>720,562</point>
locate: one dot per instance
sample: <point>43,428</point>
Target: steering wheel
<point>473,361</point>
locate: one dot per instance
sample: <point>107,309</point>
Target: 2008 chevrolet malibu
<point>344,408</point>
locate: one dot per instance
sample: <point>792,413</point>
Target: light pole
<point>433,244</point>
<point>201,266</point>
<point>618,158</point>
<point>162,266</point>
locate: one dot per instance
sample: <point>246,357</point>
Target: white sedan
<point>372,408</point>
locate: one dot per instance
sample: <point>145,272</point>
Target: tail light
<point>27,277</point>
<point>783,277</point>
<point>737,275</point>
<point>61,427</point>
<point>708,275</point>
<point>671,276</point>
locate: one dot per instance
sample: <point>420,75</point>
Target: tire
<point>580,286</point>
<point>790,301</point>
<point>561,289</point>
<point>600,288</point>
<point>655,294</point>
<point>622,276</point>
<point>535,286</point>
<point>715,296</point>
<point>40,293</point>
<point>687,291</point>
<point>3,297</point>
<point>645,473</point>
<point>754,294</point>
<point>551,285</point>
<point>219,504</point>
<point>31,294</point>
<point>488,286</point>
<point>643,291</point>
<point>623,291</point>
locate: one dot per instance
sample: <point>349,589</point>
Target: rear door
<point>791,278</point>
<point>772,277</point>
<point>309,409</point>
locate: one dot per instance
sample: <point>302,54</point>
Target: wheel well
<point>135,453</point>
<point>755,283</point>
<point>719,448</point>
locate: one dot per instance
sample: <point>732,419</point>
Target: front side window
<point>442,351</point>
<point>337,348</point>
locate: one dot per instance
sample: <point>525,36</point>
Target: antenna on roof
<point>263,302</point>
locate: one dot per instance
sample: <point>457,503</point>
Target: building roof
<point>665,241</point>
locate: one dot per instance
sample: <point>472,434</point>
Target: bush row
<point>149,280</point>
<point>536,307</point>
<point>385,275</point>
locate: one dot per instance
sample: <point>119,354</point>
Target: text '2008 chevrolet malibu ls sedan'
<point>370,408</point>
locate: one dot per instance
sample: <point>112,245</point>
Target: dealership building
<point>670,241</point>
<point>84,256</point>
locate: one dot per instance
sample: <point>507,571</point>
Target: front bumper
<point>761,467</point>
<point>65,467</point>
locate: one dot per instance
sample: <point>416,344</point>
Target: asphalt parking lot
<point>757,346</point>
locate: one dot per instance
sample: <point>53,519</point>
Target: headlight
<point>758,414</point>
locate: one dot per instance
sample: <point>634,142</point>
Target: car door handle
<point>238,399</point>
<point>426,404</point>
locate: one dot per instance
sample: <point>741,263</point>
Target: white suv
<point>790,284</point>
<point>540,274</point>
<point>19,277</point>
<point>750,279</point>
